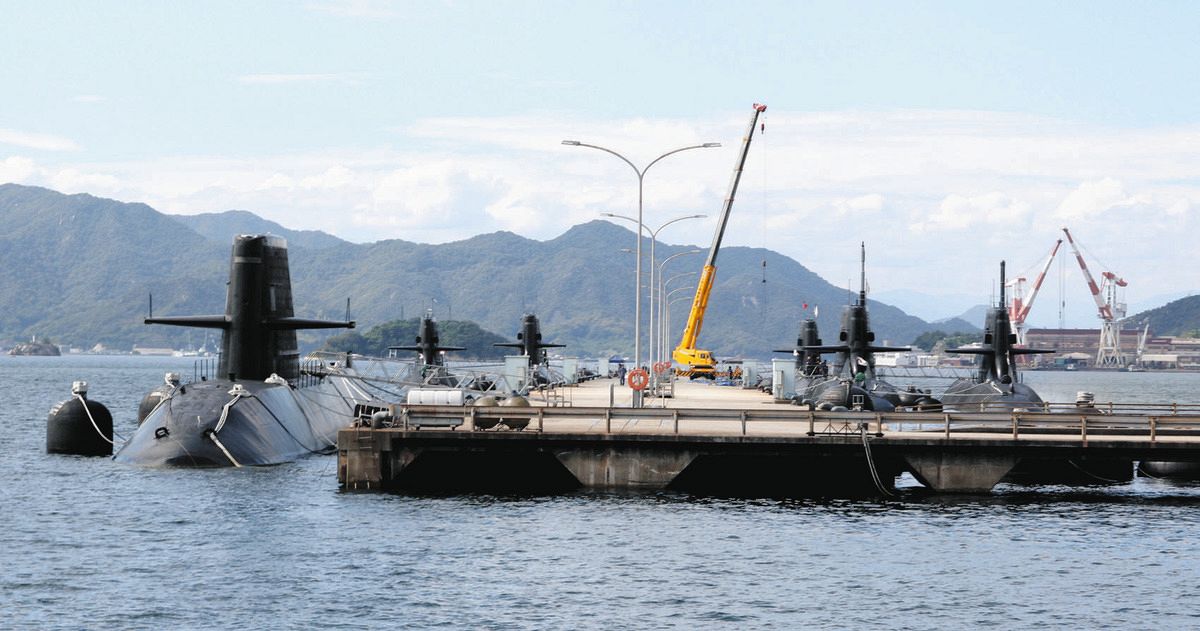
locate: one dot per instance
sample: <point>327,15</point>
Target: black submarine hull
<point>223,423</point>
<point>969,395</point>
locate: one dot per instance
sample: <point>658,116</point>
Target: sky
<point>946,135</point>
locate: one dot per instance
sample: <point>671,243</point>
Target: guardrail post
<point>1083,428</point>
<point>541,420</point>
<point>675,418</point>
<point>1015,422</point>
<point>947,417</point>
<point>1153,429</point>
<point>743,416</point>
<point>878,425</point>
<point>812,421</point>
<point>608,421</point>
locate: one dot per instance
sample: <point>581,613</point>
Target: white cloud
<point>375,9</point>
<point>939,190</point>
<point>294,78</point>
<point>44,142</point>
<point>957,212</point>
<point>16,169</point>
<point>75,181</point>
<point>859,206</point>
<point>1093,198</point>
<point>336,176</point>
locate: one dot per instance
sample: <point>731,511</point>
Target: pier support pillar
<point>626,467</point>
<point>361,456</point>
<point>960,473</point>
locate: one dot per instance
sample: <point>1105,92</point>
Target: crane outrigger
<point>696,362</point>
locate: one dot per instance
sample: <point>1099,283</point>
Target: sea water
<point>88,543</point>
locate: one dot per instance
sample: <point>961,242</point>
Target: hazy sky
<point>945,135</point>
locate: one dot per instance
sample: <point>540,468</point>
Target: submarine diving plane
<point>254,412</point>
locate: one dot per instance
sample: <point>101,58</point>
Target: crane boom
<point>1024,312</point>
<point>1106,313</point>
<point>701,361</point>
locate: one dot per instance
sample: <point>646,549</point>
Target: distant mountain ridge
<point>222,226</point>
<point>81,269</point>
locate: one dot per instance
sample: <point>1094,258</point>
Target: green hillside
<point>80,269</point>
<point>476,342</point>
<point>1180,317</point>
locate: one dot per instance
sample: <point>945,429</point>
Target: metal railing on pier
<point>1170,422</point>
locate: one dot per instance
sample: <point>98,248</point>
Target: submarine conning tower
<point>259,327</point>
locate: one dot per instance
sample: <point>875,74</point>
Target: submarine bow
<point>253,413</point>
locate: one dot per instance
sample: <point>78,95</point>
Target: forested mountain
<point>80,269</point>
<point>1179,317</point>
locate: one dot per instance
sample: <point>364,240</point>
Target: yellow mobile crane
<point>696,362</point>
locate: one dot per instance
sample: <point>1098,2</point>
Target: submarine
<point>428,343</point>
<point>529,341</point>
<point>853,382</point>
<point>254,412</point>
<point>996,384</point>
<point>433,371</point>
<point>808,360</point>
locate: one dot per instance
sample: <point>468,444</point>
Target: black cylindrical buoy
<point>79,427</point>
<point>156,396</point>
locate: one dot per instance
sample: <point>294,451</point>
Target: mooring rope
<point>871,462</point>
<point>213,437</point>
<point>1090,474</point>
<point>220,424</point>
<point>83,402</point>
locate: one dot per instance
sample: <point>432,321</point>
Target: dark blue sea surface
<point>87,543</point>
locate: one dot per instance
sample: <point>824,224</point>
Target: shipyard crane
<point>696,362</point>
<point>1111,311</point>
<point>1018,310</point>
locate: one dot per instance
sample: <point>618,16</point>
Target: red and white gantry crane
<point>1111,311</point>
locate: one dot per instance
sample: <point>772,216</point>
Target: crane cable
<point>762,219</point>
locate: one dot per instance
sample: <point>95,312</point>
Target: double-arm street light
<point>653,265</point>
<point>662,349</point>
<point>641,175</point>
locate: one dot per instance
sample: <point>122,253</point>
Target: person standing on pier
<point>621,373</point>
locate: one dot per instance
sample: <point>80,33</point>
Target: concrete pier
<point>737,442</point>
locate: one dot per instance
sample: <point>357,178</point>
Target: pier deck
<point>733,439</point>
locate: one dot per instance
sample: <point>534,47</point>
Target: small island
<point>44,348</point>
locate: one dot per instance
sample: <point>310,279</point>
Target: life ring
<point>661,368</point>
<point>638,379</point>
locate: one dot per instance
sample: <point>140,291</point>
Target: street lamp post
<point>653,262</point>
<point>664,351</point>
<point>669,302</point>
<point>661,349</point>
<point>641,175</point>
